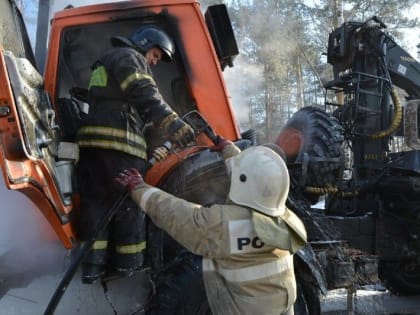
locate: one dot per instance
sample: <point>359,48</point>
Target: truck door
<point>32,159</point>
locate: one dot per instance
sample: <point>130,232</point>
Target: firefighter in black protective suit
<point>123,97</point>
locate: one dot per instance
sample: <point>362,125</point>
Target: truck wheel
<point>180,289</point>
<point>202,178</point>
<point>400,278</point>
<point>308,293</point>
<point>307,301</point>
<point>313,142</point>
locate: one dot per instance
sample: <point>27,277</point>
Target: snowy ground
<point>82,299</point>
<point>369,302</point>
<point>126,295</point>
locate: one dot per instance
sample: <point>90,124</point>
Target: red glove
<point>220,144</point>
<point>129,179</point>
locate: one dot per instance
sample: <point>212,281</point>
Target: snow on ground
<point>369,301</point>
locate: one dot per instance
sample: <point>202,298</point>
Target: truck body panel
<point>33,162</point>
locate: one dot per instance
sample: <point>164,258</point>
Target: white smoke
<point>28,245</point>
<point>243,81</point>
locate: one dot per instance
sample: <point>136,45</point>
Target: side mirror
<point>221,32</point>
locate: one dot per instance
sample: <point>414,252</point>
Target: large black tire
<point>307,301</point>
<point>317,159</point>
<point>308,291</point>
<point>180,289</point>
<point>202,178</point>
<point>400,277</point>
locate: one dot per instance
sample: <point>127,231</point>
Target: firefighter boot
<point>127,264</point>
<point>92,272</point>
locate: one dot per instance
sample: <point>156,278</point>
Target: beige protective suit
<point>247,260</point>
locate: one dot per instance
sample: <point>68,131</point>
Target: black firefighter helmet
<point>146,37</point>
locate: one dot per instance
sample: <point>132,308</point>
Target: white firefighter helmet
<point>259,180</point>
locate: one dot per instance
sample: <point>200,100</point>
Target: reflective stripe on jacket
<point>251,273</point>
<point>112,138</point>
<point>123,96</point>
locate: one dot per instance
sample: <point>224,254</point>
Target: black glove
<point>180,133</point>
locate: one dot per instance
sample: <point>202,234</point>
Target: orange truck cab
<point>39,114</point>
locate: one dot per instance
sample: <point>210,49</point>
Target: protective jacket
<point>242,274</point>
<point>123,96</point>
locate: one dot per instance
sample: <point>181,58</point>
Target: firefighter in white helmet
<point>247,243</point>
